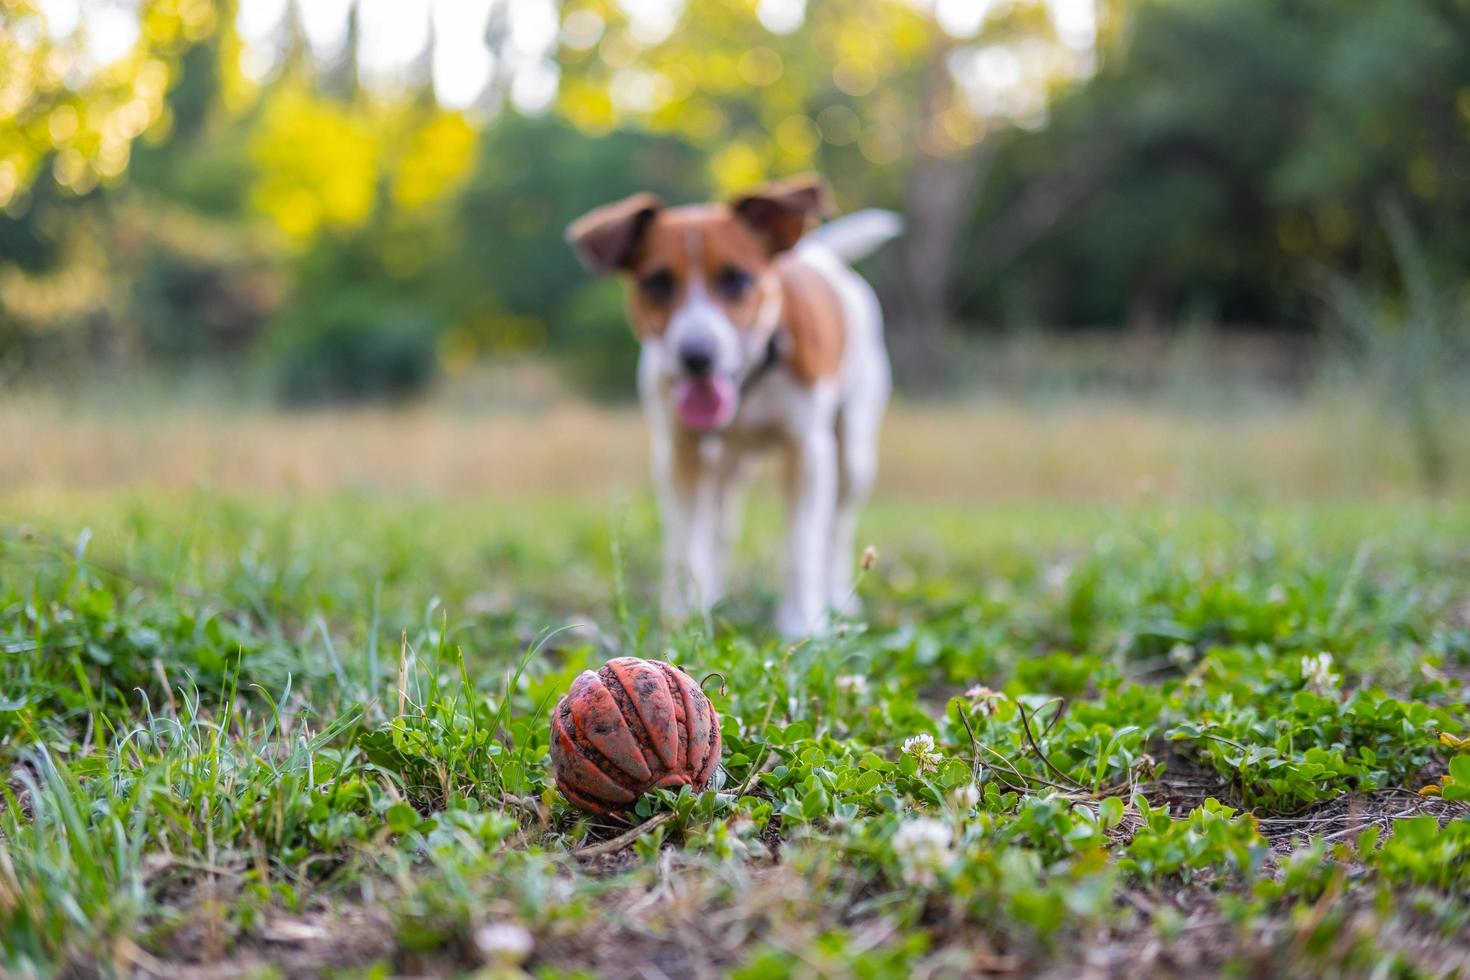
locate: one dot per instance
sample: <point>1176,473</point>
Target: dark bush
<point>354,352</point>
<point>191,307</point>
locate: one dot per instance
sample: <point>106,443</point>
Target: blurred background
<point>1182,247</point>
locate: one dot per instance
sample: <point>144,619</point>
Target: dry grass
<point>1093,450</point>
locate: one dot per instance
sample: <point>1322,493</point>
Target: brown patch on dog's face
<point>604,239</point>
<point>782,212</point>
<point>702,247</point>
<point>727,251</point>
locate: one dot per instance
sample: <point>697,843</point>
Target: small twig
<point>624,839</point>
<point>1380,821</point>
<point>755,771</point>
<point>1140,903</point>
<point>1026,727</point>
<point>1206,733</point>
<point>1012,767</point>
<point>145,961</point>
<point>1061,710</point>
<point>167,861</point>
<point>974,742</point>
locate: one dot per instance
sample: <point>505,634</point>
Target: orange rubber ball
<point>633,726</point>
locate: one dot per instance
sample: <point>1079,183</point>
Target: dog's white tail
<point>854,237</point>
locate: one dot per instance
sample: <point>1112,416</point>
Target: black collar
<point>771,359</point>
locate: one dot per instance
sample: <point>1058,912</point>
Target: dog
<point>756,334</point>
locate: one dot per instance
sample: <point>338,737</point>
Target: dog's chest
<point>773,410</point>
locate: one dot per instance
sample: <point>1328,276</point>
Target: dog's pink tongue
<point>705,403</point>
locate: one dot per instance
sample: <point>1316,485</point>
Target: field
<point>1133,692</point>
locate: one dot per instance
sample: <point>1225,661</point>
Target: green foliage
<point>1285,754</point>
<point>516,286</point>
<point>1207,839</point>
<point>1166,189</point>
<point>81,120</point>
<point>191,306</point>
<point>357,351</point>
<point>1453,785</point>
<point>1200,199</point>
<point>93,646</point>
<point>1421,852</point>
<point>225,716</point>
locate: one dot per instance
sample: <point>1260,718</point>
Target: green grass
<point>297,735</point>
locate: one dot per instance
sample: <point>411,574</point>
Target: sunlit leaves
<point>737,165</point>
<point>437,157</point>
<point>68,102</point>
<point>320,161</point>
<point>587,106</point>
<point>849,76</point>
<point>317,163</point>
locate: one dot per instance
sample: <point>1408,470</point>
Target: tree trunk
<point>940,205</point>
<point>937,209</point>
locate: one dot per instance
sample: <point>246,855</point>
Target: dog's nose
<point>697,357</point>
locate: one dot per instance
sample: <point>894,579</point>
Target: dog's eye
<point>657,287</point>
<point>732,282</point>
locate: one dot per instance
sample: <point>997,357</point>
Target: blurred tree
<point>1250,144</point>
<point>366,193</point>
<point>201,162</point>
<point>155,266</point>
<point>516,285</point>
<point>894,99</point>
<point>71,96</point>
<point>1060,162</point>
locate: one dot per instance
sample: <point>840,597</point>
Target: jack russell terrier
<point>755,334</point>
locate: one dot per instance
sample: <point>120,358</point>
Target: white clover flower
<point>984,699</point>
<point>1181,655</point>
<point>1317,672</point>
<point>919,744</point>
<point>852,684</point>
<point>921,747</point>
<point>503,942</point>
<point>923,846</point>
<point>966,796</point>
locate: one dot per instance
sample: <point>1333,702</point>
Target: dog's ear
<point>782,212</point>
<point>605,239</point>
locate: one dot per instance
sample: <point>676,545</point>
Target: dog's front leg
<point>688,509</point>
<point>811,496</point>
<point>676,515</point>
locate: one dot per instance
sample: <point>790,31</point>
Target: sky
<point>394,38</point>
<point>394,34</point>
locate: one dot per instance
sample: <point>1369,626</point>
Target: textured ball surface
<point>633,726</point>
